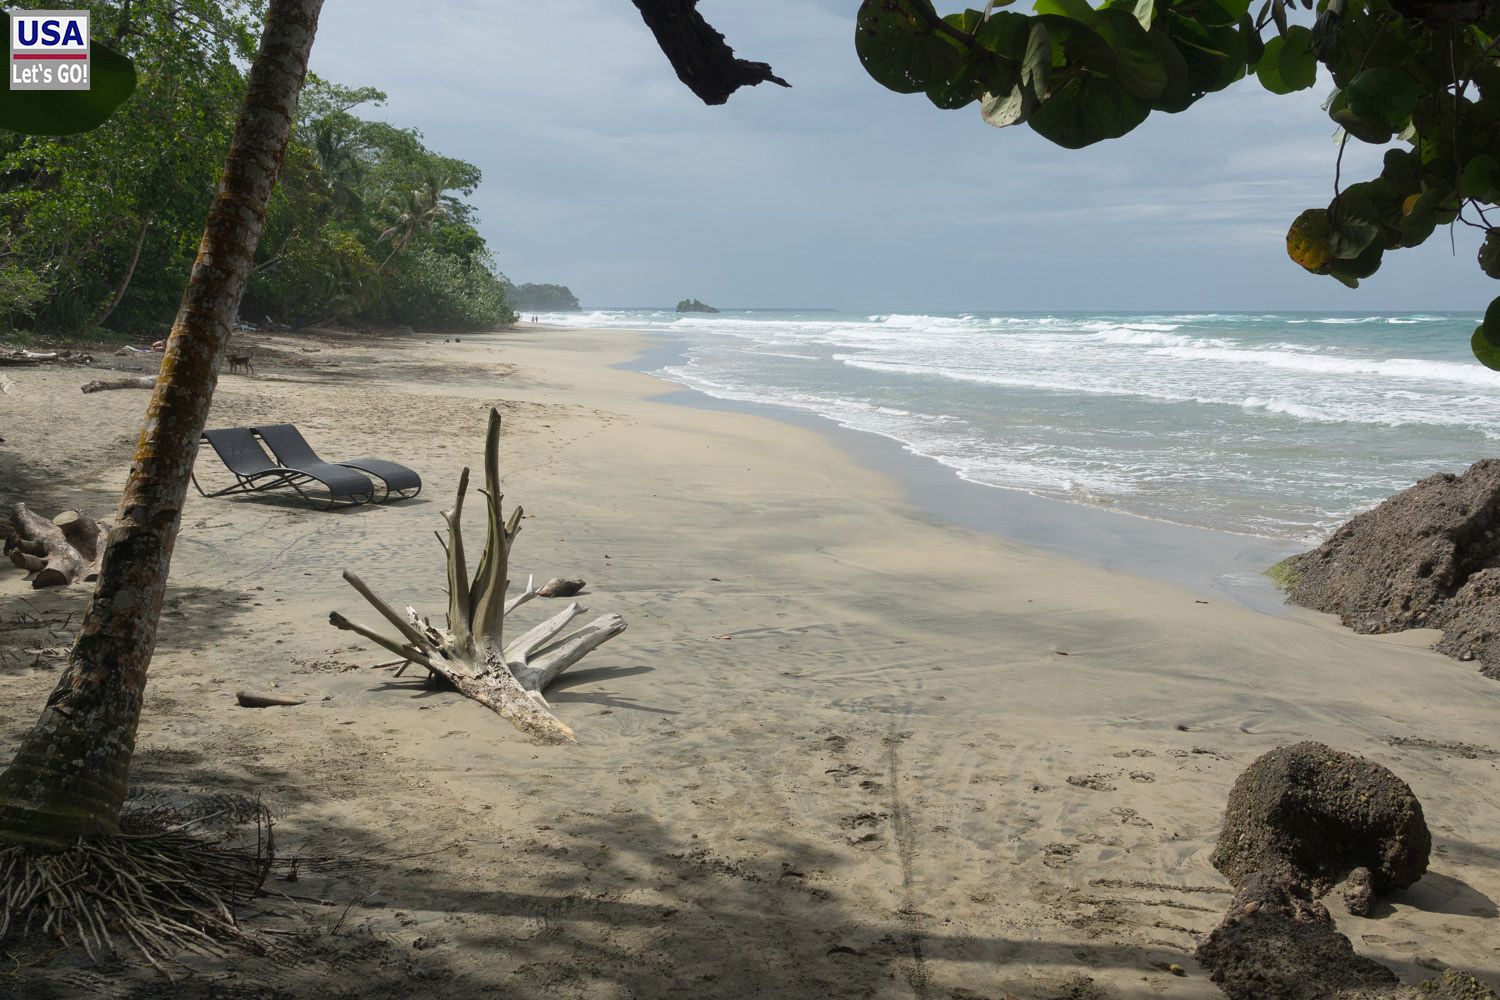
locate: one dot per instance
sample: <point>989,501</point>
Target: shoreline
<point>842,751</point>
<point>1219,562</point>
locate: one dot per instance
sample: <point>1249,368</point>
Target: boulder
<point>1309,815</point>
<point>1274,944</point>
<point>1410,563</point>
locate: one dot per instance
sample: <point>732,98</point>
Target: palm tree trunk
<point>67,780</point>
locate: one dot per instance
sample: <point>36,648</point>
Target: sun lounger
<point>254,472</point>
<point>292,450</point>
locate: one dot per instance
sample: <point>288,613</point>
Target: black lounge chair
<point>254,472</point>
<point>292,450</point>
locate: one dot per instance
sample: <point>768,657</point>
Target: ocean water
<point>1278,425</point>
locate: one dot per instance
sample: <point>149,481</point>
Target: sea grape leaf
<point>1073,10</point>
<point>1307,240</point>
<point>1287,63</point>
<point>1349,272</point>
<point>1036,64</point>
<point>1010,108</point>
<point>1485,347</point>
<point>67,112</point>
<point>1478,179</point>
<point>1087,110</point>
<point>898,48</point>
<point>1489,253</point>
<point>1383,94</point>
<point>1178,94</point>
<point>1145,12</point>
<point>1006,34</point>
<point>1138,64</point>
<point>1364,129</point>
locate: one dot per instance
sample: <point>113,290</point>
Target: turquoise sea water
<point>1273,424</point>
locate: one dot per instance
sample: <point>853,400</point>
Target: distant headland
<point>694,306</point>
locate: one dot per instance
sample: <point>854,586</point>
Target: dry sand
<point>839,752</point>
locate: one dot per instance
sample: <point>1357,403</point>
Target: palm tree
<point>412,211</point>
<point>66,783</point>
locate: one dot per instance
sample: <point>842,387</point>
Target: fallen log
<point>104,385</point>
<point>471,654</point>
<point>65,550</point>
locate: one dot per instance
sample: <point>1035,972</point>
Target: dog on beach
<point>241,362</point>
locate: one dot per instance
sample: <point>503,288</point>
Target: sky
<point>604,173</point>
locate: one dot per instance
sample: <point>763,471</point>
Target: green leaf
<point>1287,64</point>
<point>1006,34</point>
<point>1492,318</point>
<point>1036,64</point>
<point>66,112</point>
<point>1479,178</point>
<point>1489,253</point>
<point>1486,344</point>
<point>1385,95</point>
<point>1350,228</point>
<point>1178,94</point>
<point>1361,128</point>
<point>1010,108</point>
<point>1087,110</point>
<point>1138,64</point>
<point>1145,12</point>
<point>1351,271</point>
<point>1073,10</point>
<point>898,48</point>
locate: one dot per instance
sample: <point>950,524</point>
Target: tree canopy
<point>367,225</point>
<point>1419,76</point>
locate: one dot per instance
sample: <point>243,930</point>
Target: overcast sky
<point>604,173</point>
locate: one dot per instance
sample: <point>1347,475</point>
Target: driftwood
<point>65,550</point>
<point>135,382</point>
<point>20,357</point>
<point>262,699</point>
<point>471,654</point>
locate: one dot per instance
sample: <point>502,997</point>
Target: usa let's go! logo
<point>49,50</point>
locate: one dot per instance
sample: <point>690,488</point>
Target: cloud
<point>602,171</point>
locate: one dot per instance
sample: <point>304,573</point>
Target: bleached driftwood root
<point>471,653</point>
<point>66,549</point>
<point>104,385</point>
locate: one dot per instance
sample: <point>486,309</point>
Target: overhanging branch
<point>699,54</point>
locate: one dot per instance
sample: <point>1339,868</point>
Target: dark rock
<point>1310,815</point>
<point>1470,621</point>
<point>1274,944</point>
<point>694,306</point>
<point>1358,889</point>
<point>558,587</point>
<point>1417,560</point>
<point>1449,986</point>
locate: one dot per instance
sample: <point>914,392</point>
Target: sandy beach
<point>843,750</point>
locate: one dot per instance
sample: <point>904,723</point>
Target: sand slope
<point>837,754</point>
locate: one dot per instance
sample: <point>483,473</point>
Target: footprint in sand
<point>1130,817</point>
<point>1142,776</point>
<point>1057,855</point>
<point>1099,782</point>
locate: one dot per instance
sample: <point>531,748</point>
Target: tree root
<point>163,893</point>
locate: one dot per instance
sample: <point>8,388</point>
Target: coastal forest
<point>367,226</point>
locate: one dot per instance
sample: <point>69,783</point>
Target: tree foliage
<point>1419,76</point>
<point>99,228</point>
